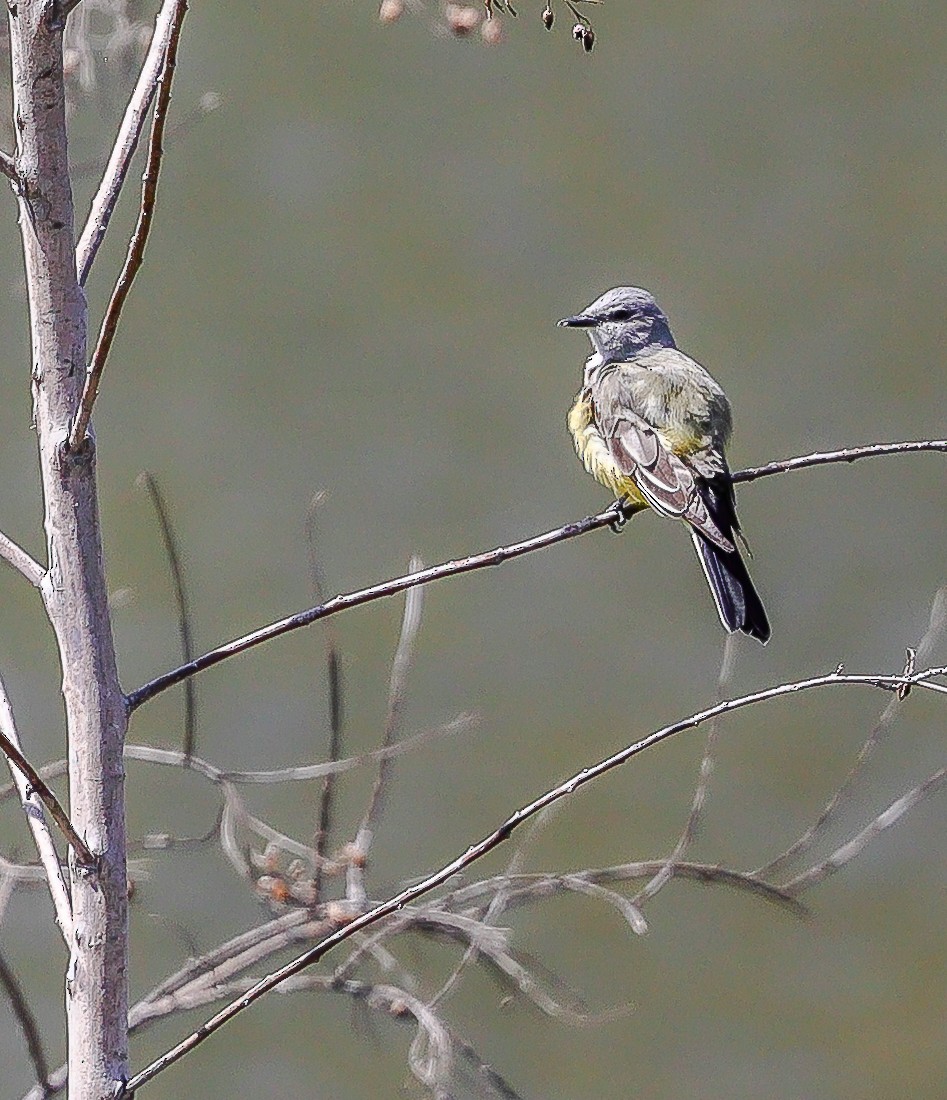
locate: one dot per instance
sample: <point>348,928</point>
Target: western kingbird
<point>651,425</point>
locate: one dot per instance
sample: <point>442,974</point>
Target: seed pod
<point>548,17</point>
<point>578,31</point>
<point>588,39</point>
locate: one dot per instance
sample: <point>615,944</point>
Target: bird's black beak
<point>581,320</point>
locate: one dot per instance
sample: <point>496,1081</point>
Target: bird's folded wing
<point>665,481</point>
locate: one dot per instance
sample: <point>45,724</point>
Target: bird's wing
<point>665,480</point>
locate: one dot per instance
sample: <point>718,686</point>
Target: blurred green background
<point>352,285</point>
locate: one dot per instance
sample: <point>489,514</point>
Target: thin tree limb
<point>28,1024</point>
<point>8,167</point>
<point>181,600</point>
<point>33,794</point>
<point>847,454</point>
<point>336,689</point>
<point>410,624</point>
<point>136,246</point>
<point>925,647</point>
<point>503,832</point>
<point>21,561</point>
<point>857,844</point>
<point>481,561</point>
<point>126,142</point>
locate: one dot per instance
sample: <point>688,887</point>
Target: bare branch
<point>502,833</point>
<point>524,889</point>
<point>689,832</point>
<point>336,696</point>
<point>32,792</point>
<point>174,758</point>
<point>126,141</point>
<point>410,625</point>
<point>136,246</point>
<point>848,454</point>
<point>481,561</point>
<point>17,557</point>
<point>848,851</point>
<point>923,651</point>
<point>8,168</point>
<point>180,599</point>
<point>27,1022</point>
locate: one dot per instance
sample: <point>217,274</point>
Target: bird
<point>652,425</point>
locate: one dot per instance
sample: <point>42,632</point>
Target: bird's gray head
<point>622,322</point>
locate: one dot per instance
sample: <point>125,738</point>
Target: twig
<point>481,561</point>
<point>181,599</point>
<point>32,789</point>
<point>848,851</point>
<point>847,454</point>
<point>410,624</point>
<point>126,142</point>
<point>502,833</point>
<point>336,698</point>
<point>136,246</point>
<point>8,167</point>
<point>35,786</point>
<point>17,557</point>
<point>803,843</point>
<point>27,1022</point>
<point>174,758</point>
<point>689,832</point>
<point>526,888</point>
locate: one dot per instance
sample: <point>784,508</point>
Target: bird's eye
<point>620,313</point>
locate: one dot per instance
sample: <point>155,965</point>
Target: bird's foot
<point>618,523</point>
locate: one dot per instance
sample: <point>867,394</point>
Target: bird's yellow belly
<point>595,455</point>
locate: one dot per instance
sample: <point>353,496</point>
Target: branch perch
<point>481,561</point>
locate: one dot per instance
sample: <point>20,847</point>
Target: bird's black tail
<point>738,602</point>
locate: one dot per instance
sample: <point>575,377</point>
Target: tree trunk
<point>74,588</point>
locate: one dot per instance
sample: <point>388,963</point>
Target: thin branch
<point>410,624</point>
<point>336,689</point>
<point>925,647</point>
<point>126,142</point>
<point>136,246</point>
<point>848,454</point>
<point>21,561</point>
<point>525,888</point>
<point>689,832</point>
<point>181,600</point>
<point>848,851</point>
<point>481,561</point>
<point>174,758</point>
<point>32,789</point>
<point>37,787</point>
<point>8,167</point>
<point>28,1024</point>
<point>502,833</point>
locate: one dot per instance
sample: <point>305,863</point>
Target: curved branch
<point>481,561</point>
<point>502,833</point>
